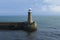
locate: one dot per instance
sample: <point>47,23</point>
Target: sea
<point>48,28</point>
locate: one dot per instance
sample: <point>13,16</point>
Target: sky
<point>20,7</point>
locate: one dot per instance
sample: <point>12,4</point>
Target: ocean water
<point>48,28</point>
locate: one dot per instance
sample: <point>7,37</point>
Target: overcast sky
<point>20,7</point>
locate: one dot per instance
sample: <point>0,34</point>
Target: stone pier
<point>30,25</point>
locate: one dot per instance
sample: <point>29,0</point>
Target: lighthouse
<point>31,25</point>
<point>30,16</point>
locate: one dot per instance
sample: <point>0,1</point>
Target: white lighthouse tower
<point>30,16</point>
<point>32,26</point>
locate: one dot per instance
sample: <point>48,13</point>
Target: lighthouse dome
<point>30,10</point>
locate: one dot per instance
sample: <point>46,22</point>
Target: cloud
<point>54,8</point>
<point>46,5</point>
<point>53,5</point>
<point>20,6</point>
<point>52,2</point>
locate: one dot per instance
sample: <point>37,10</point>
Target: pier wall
<point>12,25</point>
